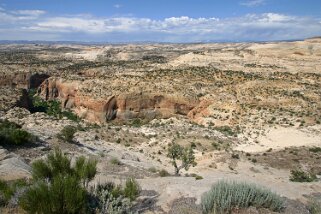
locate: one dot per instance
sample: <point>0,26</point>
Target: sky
<point>159,20</point>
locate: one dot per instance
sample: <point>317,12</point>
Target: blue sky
<point>159,20</point>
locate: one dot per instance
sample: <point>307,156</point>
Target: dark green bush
<point>163,173</point>
<point>132,189</point>
<point>67,134</point>
<point>51,107</point>
<point>226,130</point>
<point>63,195</point>
<point>235,156</point>
<point>57,186</point>
<point>315,149</point>
<point>225,196</point>
<point>314,204</point>
<point>12,134</point>
<point>196,176</point>
<point>185,155</point>
<point>302,176</point>
<point>115,161</point>
<point>6,192</point>
<point>136,122</point>
<point>8,189</point>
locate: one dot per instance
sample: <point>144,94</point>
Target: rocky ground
<point>251,111</point>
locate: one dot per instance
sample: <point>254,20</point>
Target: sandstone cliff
<point>121,106</point>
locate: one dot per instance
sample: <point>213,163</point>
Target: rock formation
<point>122,106</point>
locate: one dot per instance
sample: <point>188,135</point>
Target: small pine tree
<point>132,189</point>
<point>57,186</point>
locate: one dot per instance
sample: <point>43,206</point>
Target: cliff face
<point>122,106</point>
<point>13,89</point>
<point>22,80</point>
<point>245,85</point>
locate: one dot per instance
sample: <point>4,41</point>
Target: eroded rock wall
<point>22,80</point>
<point>122,106</point>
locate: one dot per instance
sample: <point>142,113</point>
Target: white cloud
<point>29,12</point>
<point>253,3</point>
<point>118,6</point>
<point>17,16</point>
<point>266,26</point>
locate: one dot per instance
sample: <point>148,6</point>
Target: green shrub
<point>136,122</point>
<point>8,189</point>
<point>184,154</point>
<point>163,173</point>
<point>63,195</point>
<point>115,199</point>
<point>50,107</point>
<point>314,205</point>
<point>57,186</point>
<point>235,156</point>
<point>115,161</point>
<point>132,189</point>
<point>6,192</point>
<point>302,176</point>
<point>109,198</point>
<point>12,134</point>
<point>226,130</point>
<point>67,134</point>
<point>225,196</point>
<point>152,170</point>
<point>216,146</point>
<point>315,149</point>
<point>196,176</point>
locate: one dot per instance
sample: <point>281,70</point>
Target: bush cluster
<point>302,176</point>
<point>226,130</point>
<point>315,149</point>
<point>163,173</point>
<point>186,156</point>
<point>225,196</point>
<point>314,204</point>
<point>12,134</point>
<point>8,189</point>
<point>110,198</point>
<point>67,134</point>
<point>50,107</point>
<point>57,186</point>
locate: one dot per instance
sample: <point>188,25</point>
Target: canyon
<point>252,112</point>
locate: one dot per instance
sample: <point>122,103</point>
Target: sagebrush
<point>224,196</point>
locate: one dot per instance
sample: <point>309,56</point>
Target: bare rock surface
<point>13,167</point>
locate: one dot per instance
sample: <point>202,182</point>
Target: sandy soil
<point>171,188</point>
<point>279,138</point>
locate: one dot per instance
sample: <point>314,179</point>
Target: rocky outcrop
<point>22,80</point>
<point>122,106</point>
<point>12,167</point>
<point>39,124</point>
<point>13,97</point>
